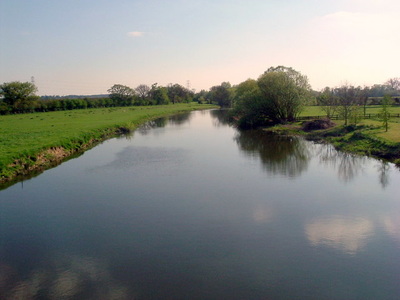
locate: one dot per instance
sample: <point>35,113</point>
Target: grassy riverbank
<point>33,142</point>
<point>368,137</point>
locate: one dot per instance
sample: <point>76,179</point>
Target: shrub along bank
<point>31,143</point>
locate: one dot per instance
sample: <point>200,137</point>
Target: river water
<point>190,208</point>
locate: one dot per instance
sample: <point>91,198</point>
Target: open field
<point>392,135</point>
<point>371,109</point>
<point>24,136</point>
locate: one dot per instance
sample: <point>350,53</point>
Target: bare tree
<point>328,102</point>
<point>363,98</point>
<point>143,92</point>
<point>348,101</point>
<point>394,84</point>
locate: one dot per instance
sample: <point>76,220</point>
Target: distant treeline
<point>20,97</point>
<point>57,97</point>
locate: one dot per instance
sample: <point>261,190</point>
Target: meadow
<point>24,136</point>
<point>370,109</point>
<point>375,125</point>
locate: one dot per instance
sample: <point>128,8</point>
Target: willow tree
<point>285,92</point>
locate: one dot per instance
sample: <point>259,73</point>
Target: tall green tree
<point>285,91</point>
<point>19,96</point>
<point>221,94</point>
<point>158,95</point>
<point>178,93</point>
<point>249,106</point>
<point>122,95</point>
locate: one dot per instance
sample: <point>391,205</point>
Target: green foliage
<point>249,105</point>
<point>159,95</point>
<point>277,96</point>
<point>286,91</point>
<point>179,94</point>
<point>200,97</point>
<point>18,97</point>
<point>221,94</point>
<point>122,95</point>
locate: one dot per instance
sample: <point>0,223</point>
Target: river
<point>189,207</point>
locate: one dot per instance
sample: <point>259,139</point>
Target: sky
<point>84,47</point>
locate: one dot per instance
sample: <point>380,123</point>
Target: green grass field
<point>26,135</point>
<point>392,135</point>
<point>371,109</point>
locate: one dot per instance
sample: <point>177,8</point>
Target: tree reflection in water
<point>177,120</point>
<point>180,119</point>
<point>347,164</point>
<point>284,155</point>
<point>384,170</point>
<point>350,165</point>
<point>220,117</point>
<point>157,123</point>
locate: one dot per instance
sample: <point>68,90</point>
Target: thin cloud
<point>135,34</point>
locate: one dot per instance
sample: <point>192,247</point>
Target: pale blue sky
<point>86,46</point>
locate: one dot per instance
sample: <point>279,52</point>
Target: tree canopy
<point>122,95</point>
<point>19,96</point>
<point>277,96</point>
<point>178,93</point>
<point>221,94</point>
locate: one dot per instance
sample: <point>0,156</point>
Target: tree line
<point>280,93</point>
<point>20,97</point>
<point>276,96</point>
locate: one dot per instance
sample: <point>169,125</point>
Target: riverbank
<point>32,143</point>
<point>366,138</point>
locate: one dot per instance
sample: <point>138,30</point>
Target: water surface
<point>190,208</point>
